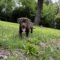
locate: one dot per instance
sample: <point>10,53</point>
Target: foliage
<point>57,16</point>
<point>32,49</point>
<point>57,21</point>
<point>48,14</point>
<point>28,8</point>
<point>46,2</point>
<point>12,9</point>
<point>6,10</point>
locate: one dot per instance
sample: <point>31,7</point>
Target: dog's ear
<point>19,20</point>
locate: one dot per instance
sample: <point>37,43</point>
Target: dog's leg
<point>20,31</point>
<point>27,32</point>
<point>31,29</point>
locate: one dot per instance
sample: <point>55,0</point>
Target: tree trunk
<point>38,14</point>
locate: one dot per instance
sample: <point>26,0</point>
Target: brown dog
<point>25,25</point>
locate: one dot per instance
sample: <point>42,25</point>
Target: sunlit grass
<point>10,39</point>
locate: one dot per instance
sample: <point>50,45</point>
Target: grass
<point>43,43</point>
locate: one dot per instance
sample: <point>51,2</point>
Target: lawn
<point>42,44</point>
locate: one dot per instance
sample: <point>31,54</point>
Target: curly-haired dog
<point>25,25</point>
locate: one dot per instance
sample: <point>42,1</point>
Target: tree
<point>38,14</point>
<point>26,8</point>
<point>47,2</point>
<point>6,8</point>
<point>48,15</point>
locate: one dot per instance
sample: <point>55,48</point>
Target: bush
<point>57,21</point>
<point>48,15</point>
<point>32,49</point>
<point>25,8</point>
<point>23,12</point>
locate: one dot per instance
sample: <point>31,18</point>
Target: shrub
<point>32,49</point>
<point>57,21</point>
<point>48,15</point>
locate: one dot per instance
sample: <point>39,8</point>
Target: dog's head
<point>23,23</point>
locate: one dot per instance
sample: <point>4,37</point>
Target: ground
<point>43,44</point>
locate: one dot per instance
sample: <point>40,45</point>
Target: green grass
<point>10,39</point>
